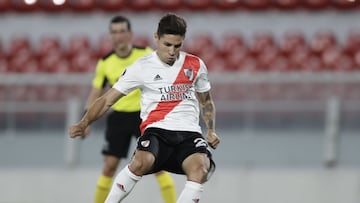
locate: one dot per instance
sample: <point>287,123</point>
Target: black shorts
<point>120,127</point>
<point>171,148</point>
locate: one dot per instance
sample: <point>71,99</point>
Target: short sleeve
<point>130,79</point>
<point>202,83</point>
<point>99,78</point>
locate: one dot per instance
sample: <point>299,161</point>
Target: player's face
<point>168,47</point>
<point>120,35</point>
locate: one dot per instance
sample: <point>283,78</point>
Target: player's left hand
<point>213,139</point>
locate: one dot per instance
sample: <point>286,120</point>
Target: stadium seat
<point>236,57</point>
<point>312,64</point>
<point>141,5</point>
<point>280,64</point>
<point>297,57</point>
<point>291,41</point>
<point>197,5</point>
<point>77,44</point>
<point>84,61</point>
<point>267,56</point>
<point>23,6</point>
<point>111,5</point>
<point>5,5</point>
<point>24,62</point>
<point>357,60</point>
<point>17,44</point>
<point>229,42</point>
<point>169,4</point>
<point>352,42</point>
<point>344,63</point>
<point>316,4</point>
<point>227,4</point>
<point>82,5</point>
<point>47,44</point>
<point>321,41</point>
<point>287,4</point>
<point>249,64</point>
<point>4,65</point>
<point>330,56</point>
<point>51,6</point>
<point>50,62</point>
<point>217,64</point>
<point>257,4</point>
<point>261,41</point>
<point>199,43</point>
<point>345,4</point>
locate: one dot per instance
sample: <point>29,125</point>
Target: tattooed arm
<point>208,114</point>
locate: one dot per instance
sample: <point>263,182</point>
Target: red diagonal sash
<point>163,108</point>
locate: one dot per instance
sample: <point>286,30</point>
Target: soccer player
<point>124,120</point>
<point>174,91</point>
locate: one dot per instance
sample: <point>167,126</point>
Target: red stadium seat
<point>217,64</point>
<point>292,41</point>
<point>280,64</point>
<point>345,4</point>
<point>17,44</point>
<point>344,63</point>
<point>229,42</point>
<point>236,57</point>
<point>312,64</point>
<point>82,5</point>
<point>330,56</point>
<point>257,4</point>
<point>248,65</point>
<point>267,56</point>
<point>50,62</point>
<point>227,4</point>
<point>322,41</point>
<point>111,5</point>
<point>287,4</point>
<point>23,6</point>
<point>5,5</point>
<point>197,5</point>
<point>169,4</point>
<point>141,5</point>
<point>261,41</point>
<point>77,44</point>
<point>83,62</point>
<point>24,61</point>
<point>297,57</point>
<point>316,4</point>
<point>51,6</point>
<point>199,43</point>
<point>4,65</point>
<point>48,44</point>
<point>357,60</point>
<point>352,42</point>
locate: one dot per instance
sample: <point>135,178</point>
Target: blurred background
<point>286,83</point>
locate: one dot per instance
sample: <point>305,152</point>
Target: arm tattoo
<point>207,109</point>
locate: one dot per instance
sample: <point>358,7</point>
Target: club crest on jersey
<point>145,143</point>
<point>189,73</point>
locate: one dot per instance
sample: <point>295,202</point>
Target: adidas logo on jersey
<point>157,77</point>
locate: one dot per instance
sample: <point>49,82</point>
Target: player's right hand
<point>77,130</point>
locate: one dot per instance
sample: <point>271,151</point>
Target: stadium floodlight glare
<point>30,2</point>
<point>59,2</point>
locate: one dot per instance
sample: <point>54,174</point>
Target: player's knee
<point>198,173</point>
<point>141,163</point>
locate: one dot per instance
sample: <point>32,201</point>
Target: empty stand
<point>141,5</point>
<point>287,4</point>
<point>352,42</point>
<point>261,41</point>
<point>23,6</point>
<point>169,4</point>
<point>103,47</point>
<point>199,43</point>
<point>321,41</point>
<point>5,5</point>
<point>292,41</point>
<point>230,42</point>
<point>84,61</point>
<point>345,4</point>
<point>316,4</point>
<point>48,44</point>
<point>77,44</point>
<point>51,6</point>
<point>111,5</point>
<point>227,4</point>
<point>197,5</point>
<point>82,5</point>
<point>19,43</point>
<point>257,4</point>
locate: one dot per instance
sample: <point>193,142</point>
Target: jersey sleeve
<point>202,83</point>
<point>99,79</point>
<point>130,79</point>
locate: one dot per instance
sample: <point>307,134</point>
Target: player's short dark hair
<point>171,24</point>
<point>121,19</point>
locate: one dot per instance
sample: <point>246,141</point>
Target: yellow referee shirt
<point>108,71</point>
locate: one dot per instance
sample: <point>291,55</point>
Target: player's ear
<point>156,37</point>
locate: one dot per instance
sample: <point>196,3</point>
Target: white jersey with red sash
<point>168,99</point>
